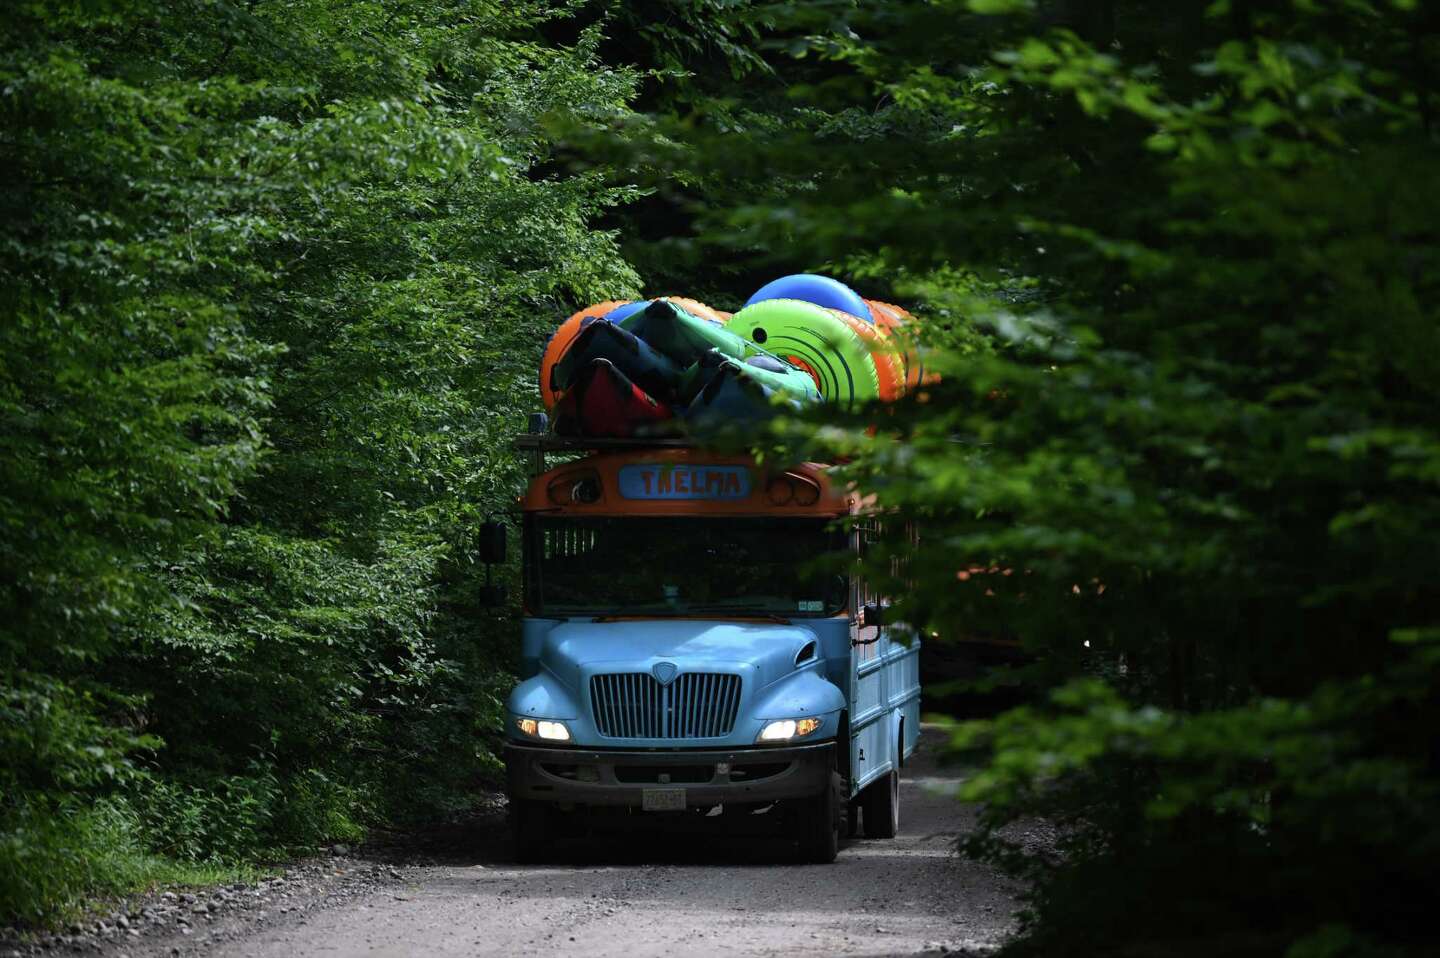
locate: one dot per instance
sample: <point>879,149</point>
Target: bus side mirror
<point>492,542</point>
<point>873,614</point>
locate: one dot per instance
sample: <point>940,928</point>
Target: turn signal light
<point>574,489</point>
<point>787,729</point>
<point>543,728</point>
<point>779,490</point>
<point>807,491</point>
<point>792,489</point>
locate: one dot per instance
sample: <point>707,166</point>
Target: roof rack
<point>540,441</point>
<point>551,443</point>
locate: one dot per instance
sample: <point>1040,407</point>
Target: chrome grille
<point>694,705</point>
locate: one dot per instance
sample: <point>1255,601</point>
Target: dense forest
<point>275,278</point>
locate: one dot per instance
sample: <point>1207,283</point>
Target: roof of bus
<point>684,482</point>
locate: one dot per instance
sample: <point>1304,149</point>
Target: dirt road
<point>459,895</point>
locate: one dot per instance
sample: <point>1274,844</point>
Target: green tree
<point>1196,473</point>
<point>274,277</point>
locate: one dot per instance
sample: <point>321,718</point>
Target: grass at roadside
<point>62,868</point>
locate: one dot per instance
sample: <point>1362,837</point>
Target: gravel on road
<point>454,891</point>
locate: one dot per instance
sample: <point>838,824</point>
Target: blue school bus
<point>683,659</point>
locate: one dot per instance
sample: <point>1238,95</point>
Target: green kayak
<point>776,375</point>
<point>683,337</point>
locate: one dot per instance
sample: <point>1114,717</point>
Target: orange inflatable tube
<point>893,319</point>
<point>889,366</point>
<point>560,341</point>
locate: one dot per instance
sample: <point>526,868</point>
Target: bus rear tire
<point>882,806</point>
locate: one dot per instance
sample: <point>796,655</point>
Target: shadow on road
<point>931,820</point>
<point>485,840</point>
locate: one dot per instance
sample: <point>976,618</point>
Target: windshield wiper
<point>741,611</point>
<point>628,614</point>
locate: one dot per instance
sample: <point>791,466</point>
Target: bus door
<point>884,683</point>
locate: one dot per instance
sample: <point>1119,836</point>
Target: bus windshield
<point>683,566</point>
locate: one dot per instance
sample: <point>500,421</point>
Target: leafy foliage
<point>273,278</point>
<point>1195,476</point>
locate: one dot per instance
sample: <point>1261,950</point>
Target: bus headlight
<point>787,729</point>
<point>546,729</point>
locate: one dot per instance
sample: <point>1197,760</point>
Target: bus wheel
<point>528,825</point>
<point>882,806</point>
<point>852,819</point>
<point>820,825</point>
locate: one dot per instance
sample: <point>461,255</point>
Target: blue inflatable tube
<point>620,312</point>
<point>820,290</point>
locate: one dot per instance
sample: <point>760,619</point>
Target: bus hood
<point>761,652</point>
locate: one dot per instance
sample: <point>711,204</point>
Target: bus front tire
<point>820,825</point>
<point>529,821</point>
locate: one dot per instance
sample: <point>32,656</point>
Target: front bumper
<point>710,777</point>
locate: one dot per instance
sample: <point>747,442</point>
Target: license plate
<point>663,800</point>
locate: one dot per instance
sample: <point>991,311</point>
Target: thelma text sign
<point>657,481</point>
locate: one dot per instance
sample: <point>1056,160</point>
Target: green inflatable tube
<point>817,341</point>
